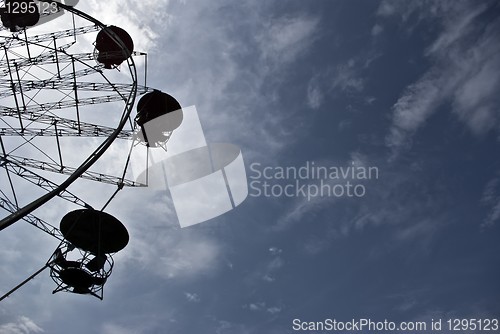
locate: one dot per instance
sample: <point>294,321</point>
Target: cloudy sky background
<point>410,87</point>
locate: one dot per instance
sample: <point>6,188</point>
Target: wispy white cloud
<point>232,73</point>
<point>343,79</point>
<point>491,198</point>
<point>420,11</point>
<point>23,325</point>
<point>346,77</point>
<point>274,309</point>
<point>268,278</point>
<point>275,250</point>
<point>455,26</point>
<point>192,297</point>
<point>408,300</point>
<point>314,95</point>
<point>111,328</point>
<point>414,107</point>
<point>300,208</point>
<point>171,253</point>
<point>137,17</point>
<point>317,244</point>
<point>462,74</point>
<point>256,306</point>
<point>377,29</point>
<point>285,39</point>
<point>227,327</point>
<point>262,307</point>
<point>304,206</point>
<point>420,229</point>
<point>386,8</point>
<point>411,212</point>
<point>269,269</point>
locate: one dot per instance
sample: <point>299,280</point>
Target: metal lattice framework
<point>54,92</point>
<point>45,88</point>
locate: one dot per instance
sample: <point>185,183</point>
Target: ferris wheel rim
<point>101,149</point>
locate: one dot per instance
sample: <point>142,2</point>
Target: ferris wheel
<point>59,89</point>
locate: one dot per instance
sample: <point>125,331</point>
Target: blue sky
<point>410,87</point>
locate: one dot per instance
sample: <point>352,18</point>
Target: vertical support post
<point>75,88</point>
<point>27,46</point>
<point>58,146</point>
<point>22,95</point>
<point>4,163</point>
<point>13,87</point>
<point>57,59</point>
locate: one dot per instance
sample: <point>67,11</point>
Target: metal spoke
<point>41,182</point>
<point>89,175</point>
<point>7,205</point>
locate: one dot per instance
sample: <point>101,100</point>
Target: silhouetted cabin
<point>19,14</point>
<point>155,104</point>
<point>151,107</point>
<point>110,52</point>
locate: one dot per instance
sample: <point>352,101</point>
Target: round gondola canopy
<point>19,14</point>
<point>155,104</point>
<point>94,231</point>
<point>111,51</point>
